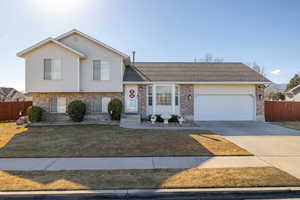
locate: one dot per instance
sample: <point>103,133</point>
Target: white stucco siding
<point>34,71</point>
<point>94,51</point>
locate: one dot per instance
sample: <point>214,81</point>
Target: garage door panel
<point>224,107</point>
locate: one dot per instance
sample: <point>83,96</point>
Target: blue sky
<point>264,31</point>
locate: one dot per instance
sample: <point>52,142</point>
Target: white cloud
<point>276,72</point>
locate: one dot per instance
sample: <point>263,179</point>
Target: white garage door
<point>224,107</point>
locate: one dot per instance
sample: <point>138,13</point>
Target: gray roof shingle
<point>193,72</point>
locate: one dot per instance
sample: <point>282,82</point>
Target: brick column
<point>260,108</point>
<point>142,100</point>
<point>186,103</point>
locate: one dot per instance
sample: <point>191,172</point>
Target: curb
<point>155,193</point>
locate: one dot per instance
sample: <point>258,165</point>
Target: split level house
<point>75,66</point>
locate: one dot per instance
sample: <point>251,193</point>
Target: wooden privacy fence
<point>282,111</point>
<point>12,110</point>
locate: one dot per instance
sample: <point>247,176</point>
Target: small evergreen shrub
<point>174,118</point>
<point>115,109</point>
<point>34,113</point>
<point>76,110</point>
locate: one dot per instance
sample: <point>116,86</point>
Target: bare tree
<point>208,57</point>
<point>218,59</point>
<point>258,68</point>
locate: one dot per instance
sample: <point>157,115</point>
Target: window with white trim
<point>164,95</point>
<point>150,96</point>
<point>98,105</point>
<point>101,70</point>
<point>58,105</point>
<point>52,69</point>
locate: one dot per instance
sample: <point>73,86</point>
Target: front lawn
<point>142,179</point>
<point>110,141</point>
<point>288,124</point>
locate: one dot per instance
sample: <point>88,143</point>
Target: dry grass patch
<point>158,178</point>
<point>8,131</point>
<point>113,141</point>
<point>288,124</point>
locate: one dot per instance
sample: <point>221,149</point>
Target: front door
<point>131,99</point>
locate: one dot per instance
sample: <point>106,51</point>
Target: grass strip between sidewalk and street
<point>144,179</point>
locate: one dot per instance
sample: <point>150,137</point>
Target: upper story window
<point>101,70</point>
<point>52,69</point>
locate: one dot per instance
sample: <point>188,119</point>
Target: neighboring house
<point>77,66</point>
<point>274,88</point>
<point>11,94</point>
<point>293,94</point>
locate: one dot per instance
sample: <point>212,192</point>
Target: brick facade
<point>260,108</point>
<point>43,100</point>
<point>142,100</point>
<point>187,101</point>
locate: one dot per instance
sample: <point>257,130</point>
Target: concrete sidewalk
<point>55,164</point>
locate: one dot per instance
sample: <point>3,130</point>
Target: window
<point>58,104</point>
<point>105,102</point>
<point>101,70</point>
<point>94,106</point>
<point>98,105</point>
<point>52,69</point>
<point>105,71</point>
<point>164,95</point>
<point>150,97</point>
<point>176,96</point>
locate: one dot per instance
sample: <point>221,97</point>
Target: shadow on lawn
<point>142,179</point>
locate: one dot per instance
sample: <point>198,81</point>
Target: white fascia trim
<point>92,39</point>
<point>195,82</point>
<point>21,53</point>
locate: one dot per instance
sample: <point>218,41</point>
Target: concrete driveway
<point>247,128</point>
<point>273,144</point>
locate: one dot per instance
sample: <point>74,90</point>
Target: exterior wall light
<point>189,97</point>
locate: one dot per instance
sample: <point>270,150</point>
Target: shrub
<point>34,113</point>
<point>174,118</point>
<point>76,110</point>
<point>115,109</point>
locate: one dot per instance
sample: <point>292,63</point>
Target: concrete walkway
<point>54,164</point>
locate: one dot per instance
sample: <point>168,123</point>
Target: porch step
<point>130,119</point>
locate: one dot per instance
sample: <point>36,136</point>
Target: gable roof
<point>192,72</point>
<point>43,42</point>
<point>92,39</point>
